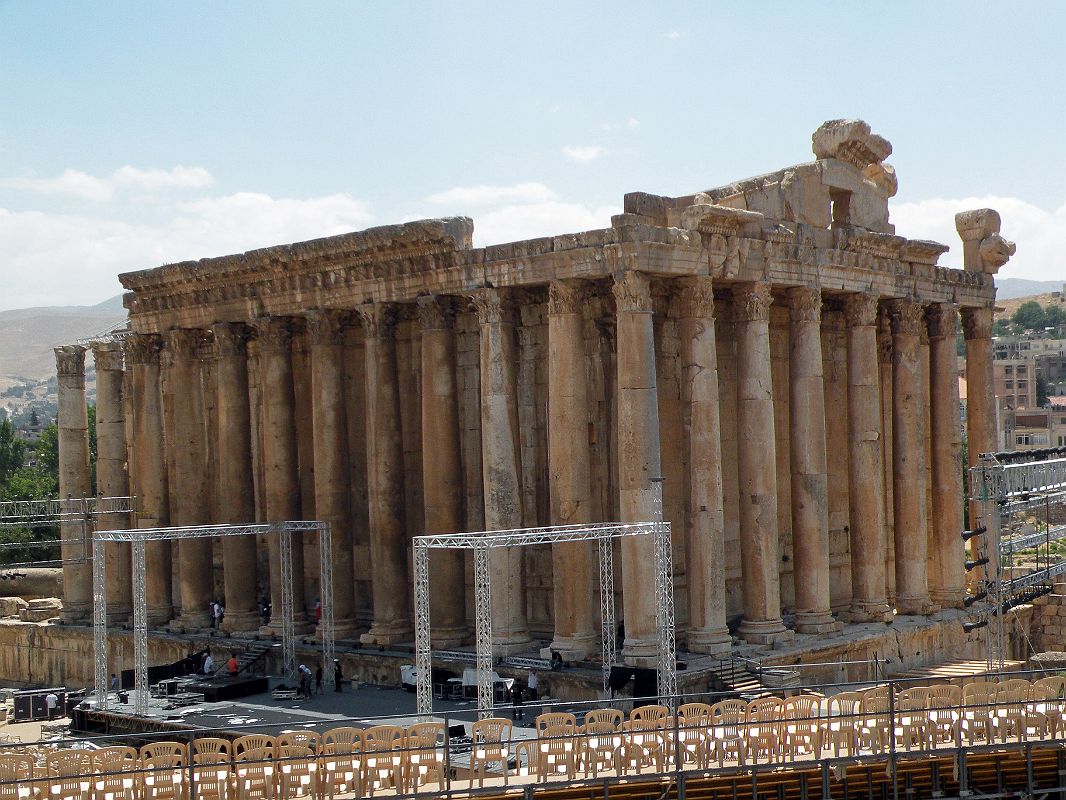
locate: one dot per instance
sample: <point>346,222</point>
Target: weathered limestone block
<point>41,609</point>
<point>12,606</point>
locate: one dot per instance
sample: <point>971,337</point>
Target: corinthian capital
<point>632,293</point>
<point>977,323</point>
<point>274,333</point>
<point>435,312</point>
<point>489,305</point>
<point>231,338</point>
<point>906,318</point>
<point>751,302</point>
<point>325,326</point>
<point>184,343</point>
<point>379,319</point>
<point>805,304</point>
<point>940,320</point>
<point>860,310</point>
<point>70,361</point>
<point>565,297</point>
<point>107,356</point>
<point>696,297</point>
<point>142,348</point>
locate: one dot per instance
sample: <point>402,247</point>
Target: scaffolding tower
<point>137,537</point>
<point>75,517</point>
<point>1010,491</point>
<point>482,544</point>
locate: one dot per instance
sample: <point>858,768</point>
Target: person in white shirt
<point>531,685</point>
<point>209,665</point>
<point>51,701</point>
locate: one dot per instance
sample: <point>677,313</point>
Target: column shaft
<point>639,461</point>
<point>235,499</point>
<point>73,423</point>
<point>281,460</point>
<point>500,469</point>
<point>705,543</point>
<point>112,479</point>
<point>810,493</point>
<point>866,476</point>
<point>574,565</point>
<point>189,492</point>
<point>908,462</point>
<point>148,469</point>
<point>332,473</point>
<point>757,468</point>
<point>980,402</point>
<point>948,584</point>
<point>385,479</point>
<point>442,470</point>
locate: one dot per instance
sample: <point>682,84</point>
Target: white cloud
<point>482,195</point>
<point>1038,233</point>
<point>83,186</point>
<point>632,122</point>
<point>178,177</point>
<point>511,223</point>
<point>583,153</point>
<point>674,35</point>
<point>67,259</point>
<point>71,183</point>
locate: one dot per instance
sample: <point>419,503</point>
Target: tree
<point>1030,316</point>
<point>1001,328</point>
<point>12,451</point>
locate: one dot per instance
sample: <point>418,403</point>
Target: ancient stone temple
<point>772,349</point>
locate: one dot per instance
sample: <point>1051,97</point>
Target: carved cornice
<point>231,338</point>
<point>184,343</point>
<point>977,323</point>
<point>435,312</point>
<point>379,320</point>
<point>70,361</point>
<point>907,318</point>
<point>751,302</point>
<point>325,326</point>
<point>940,320</point>
<point>107,356</point>
<point>860,309</point>
<point>565,297</point>
<point>489,305</point>
<point>274,333</point>
<point>143,349</point>
<point>923,251</point>
<point>695,297</point>
<point>805,304</point>
<point>632,293</point>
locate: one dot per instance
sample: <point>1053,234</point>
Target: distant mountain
<point>1010,288</point>
<point>28,335</point>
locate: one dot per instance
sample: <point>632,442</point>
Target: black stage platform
<point>216,690</point>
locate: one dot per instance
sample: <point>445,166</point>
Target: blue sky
<point>135,134</point>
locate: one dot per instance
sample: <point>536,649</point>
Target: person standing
<point>209,664</point>
<point>318,679</point>
<point>51,701</point>
<point>114,682</point>
<point>531,685</point>
<point>337,677</point>
<point>232,666</point>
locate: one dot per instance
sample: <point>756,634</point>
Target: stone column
<point>810,493</point>
<point>281,478</point>
<point>112,479</point>
<point>945,435</point>
<point>866,470</point>
<point>442,470</point>
<point>235,499</point>
<point>639,461</point>
<point>908,461</point>
<point>705,517</point>
<point>332,474</point>
<point>757,468</point>
<point>189,491</point>
<point>148,469</point>
<point>575,573</point>
<point>501,473</point>
<point>385,478</point>
<point>73,423</point>
<point>980,398</point>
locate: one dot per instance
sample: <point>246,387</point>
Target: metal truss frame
<point>137,537</point>
<point>113,334</point>
<point>74,516</point>
<point>483,542</point>
<point>1000,491</point>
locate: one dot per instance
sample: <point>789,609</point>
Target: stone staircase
<point>732,676</point>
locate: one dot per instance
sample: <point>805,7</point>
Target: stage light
<point>969,601</point>
<point>972,626</point>
<point>967,535</point>
<point>979,562</point>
